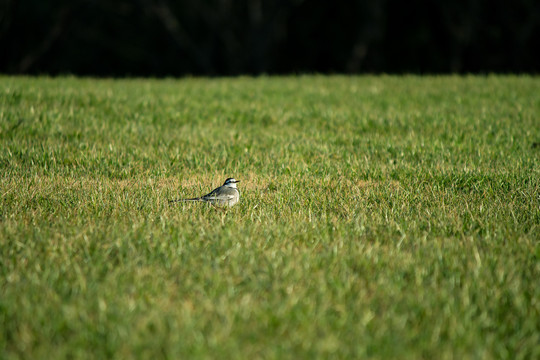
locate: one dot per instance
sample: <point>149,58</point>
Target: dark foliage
<point>229,37</point>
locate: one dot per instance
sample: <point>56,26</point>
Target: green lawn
<point>381,217</point>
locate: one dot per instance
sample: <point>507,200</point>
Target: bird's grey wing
<point>210,195</point>
<point>221,194</point>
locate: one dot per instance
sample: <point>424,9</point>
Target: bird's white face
<point>231,182</point>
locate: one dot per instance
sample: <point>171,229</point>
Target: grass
<point>381,217</point>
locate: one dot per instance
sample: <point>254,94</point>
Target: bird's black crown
<point>231,181</point>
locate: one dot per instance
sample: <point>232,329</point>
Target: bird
<point>226,195</point>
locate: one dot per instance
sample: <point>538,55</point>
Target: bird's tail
<point>179,200</point>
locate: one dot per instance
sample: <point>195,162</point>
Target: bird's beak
<point>237,181</point>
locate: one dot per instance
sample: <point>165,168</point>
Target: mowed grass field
<point>381,217</point>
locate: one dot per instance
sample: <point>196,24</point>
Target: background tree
<point>229,37</point>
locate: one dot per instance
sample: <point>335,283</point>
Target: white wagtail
<point>225,195</point>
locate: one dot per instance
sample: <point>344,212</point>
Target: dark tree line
<point>229,37</point>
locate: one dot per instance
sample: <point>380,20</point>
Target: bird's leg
<point>218,208</point>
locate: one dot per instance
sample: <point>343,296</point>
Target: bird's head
<point>231,182</point>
